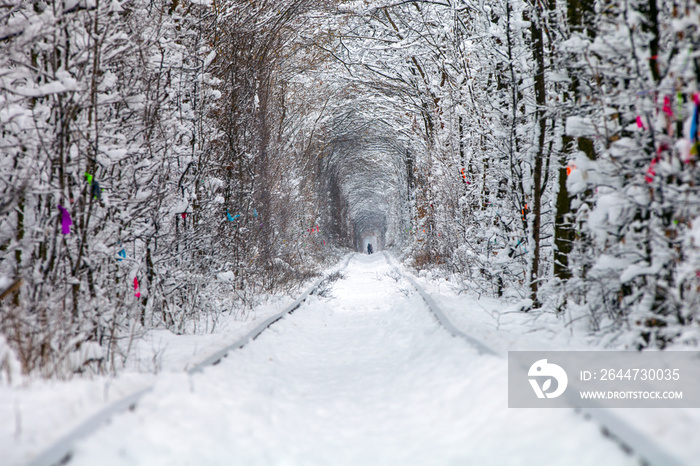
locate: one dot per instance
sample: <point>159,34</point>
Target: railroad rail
<point>627,436</point>
<point>60,452</point>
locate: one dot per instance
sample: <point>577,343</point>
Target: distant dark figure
<point>369,248</point>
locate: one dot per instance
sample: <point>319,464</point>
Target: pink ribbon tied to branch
<point>137,292</point>
<point>651,171</point>
<point>667,109</point>
<point>694,119</point>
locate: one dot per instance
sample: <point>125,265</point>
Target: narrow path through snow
<point>364,376</point>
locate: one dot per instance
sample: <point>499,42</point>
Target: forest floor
<point>362,375</point>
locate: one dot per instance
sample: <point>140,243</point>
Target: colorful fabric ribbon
<point>137,292</point>
<point>66,222</point>
<point>640,123</point>
<point>694,121</point>
<point>96,190</point>
<point>231,218</point>
<point>651,171</point>
<point>122,254</point>
<point>667,107</point>
<point>464,176</point>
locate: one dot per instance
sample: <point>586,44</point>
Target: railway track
<point>60,452</point>
<point>613,426</point>
<point>627,436</point>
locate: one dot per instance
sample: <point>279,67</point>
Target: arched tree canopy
<point>164,161</point>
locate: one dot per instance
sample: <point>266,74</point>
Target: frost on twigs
<point>326,286</point>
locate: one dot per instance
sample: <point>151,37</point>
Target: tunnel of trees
<point>164,161</point>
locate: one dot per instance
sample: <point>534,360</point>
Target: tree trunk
<point>540,99</point>
<point>563,233</point>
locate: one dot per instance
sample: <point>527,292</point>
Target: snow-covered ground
<point>36,413</point>
<point>504,328</point>
<point>363,376</point>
